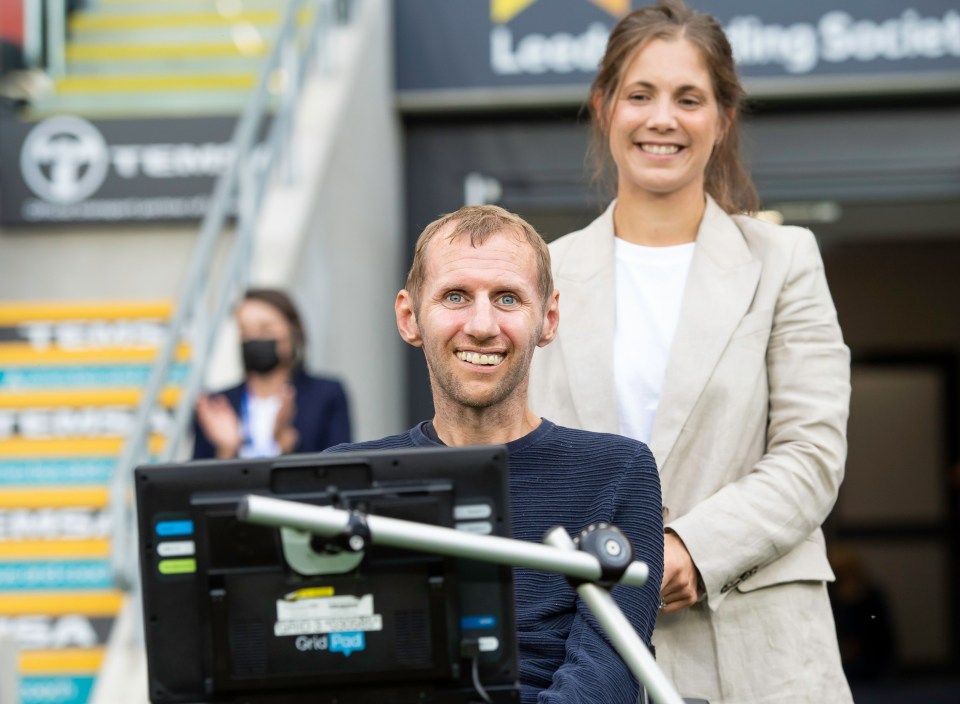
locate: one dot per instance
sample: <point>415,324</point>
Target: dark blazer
<point>322,418</point>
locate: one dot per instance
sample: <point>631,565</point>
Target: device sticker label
<point>328,625</point>
<point>324,607</point>
<point>302,613</point>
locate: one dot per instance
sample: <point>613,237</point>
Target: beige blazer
<point>750,432</point>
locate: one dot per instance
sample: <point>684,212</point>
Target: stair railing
<point>203,304</point>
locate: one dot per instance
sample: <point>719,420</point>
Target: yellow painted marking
<point>61,603</point>
<point>102,52</point>
<point>66,661</point>
<point>82,398</point>
<point>53,549</point>
<point>107,84</point>
<point>23,354</point>
<point>70,447</point>
<point>505,10</point>
<point>93,496</point>
<point>87,22</point>
<point>45,311</point>
<point>614,7</point>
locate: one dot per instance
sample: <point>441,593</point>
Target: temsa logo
<point>64,160</point>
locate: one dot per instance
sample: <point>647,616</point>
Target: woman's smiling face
<point>663,121</point>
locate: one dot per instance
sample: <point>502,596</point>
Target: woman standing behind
<point>712,337</point>
<point>278,409</point>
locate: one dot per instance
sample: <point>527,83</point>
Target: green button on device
<point>177,566</point>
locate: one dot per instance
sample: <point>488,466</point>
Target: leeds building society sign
<point>69,169</point>
<point>509,50</point>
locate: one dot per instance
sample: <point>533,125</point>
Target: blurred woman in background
<point>279,408</point>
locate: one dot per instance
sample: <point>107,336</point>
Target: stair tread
<point>160,50</point>
<point>87,21</point>
<point>169,82</point>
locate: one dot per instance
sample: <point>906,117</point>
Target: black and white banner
<point>70,169</point>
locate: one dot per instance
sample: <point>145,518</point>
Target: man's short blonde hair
<point>480,222</point>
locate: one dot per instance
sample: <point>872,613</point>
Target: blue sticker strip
<point>168,529</point>
<point>76,574</point>
<point>56,472</point>
<point>14,378</point>
<point>55,690</point>
<point>476,623</point>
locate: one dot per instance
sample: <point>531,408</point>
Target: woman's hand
<point>283,431</point>
<point>680,578</point>
<point>220,424</point>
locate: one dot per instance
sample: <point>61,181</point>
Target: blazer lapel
<point>587,295</point>
<point>720,287</point>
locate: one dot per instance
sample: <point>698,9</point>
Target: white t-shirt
<point>650,283</point>
<point>259,423</point>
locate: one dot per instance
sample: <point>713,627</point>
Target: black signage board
<point>69,169</point>
<point>499,52</point>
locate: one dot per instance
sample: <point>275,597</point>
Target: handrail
<point>9,674</point>
<point>56,21</point>
<point>245,183</point>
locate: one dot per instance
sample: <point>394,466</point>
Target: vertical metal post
<point>9,677</point>
<point>56,37</point>
<point>324,60</point>
<point>33,34</point>
<point>291,86</point>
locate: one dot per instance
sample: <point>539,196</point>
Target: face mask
<point>260,356</point>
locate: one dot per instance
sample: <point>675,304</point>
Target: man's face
<point>480,318</point>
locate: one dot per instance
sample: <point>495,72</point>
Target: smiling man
<point>479,300</point>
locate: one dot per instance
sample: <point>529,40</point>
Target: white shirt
<point>259,423</point>
<point>650,283</point>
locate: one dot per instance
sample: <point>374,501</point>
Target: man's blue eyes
<point>506,299</point>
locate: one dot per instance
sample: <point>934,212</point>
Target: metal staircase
<point>149,57</point>
<point>70,381</point>
<point>152,386</point>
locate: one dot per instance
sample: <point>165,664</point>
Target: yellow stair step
<point>164,82</point>
<point>61,603</point>
<point>32,311</point>
<point>81,398</point>
<point>195,50</point>
<point>88,549</point>
<point>63,661</point>
<point>70,447</point>
<point>55,497</point>
<point>24,354</point>
<point>89,22</point>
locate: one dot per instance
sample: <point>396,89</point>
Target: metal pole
<point>327,521</point>
<point>56,37</point>
<point>9,677</point>
<point>621,633</point>
<point>33,34</point>
<point>558,555</point>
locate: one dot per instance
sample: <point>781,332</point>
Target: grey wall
<point>108,262</point>
<point>351,264</point>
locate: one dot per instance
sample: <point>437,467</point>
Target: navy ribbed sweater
<point>572,478</point>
